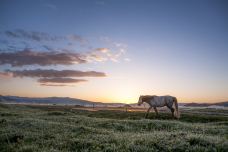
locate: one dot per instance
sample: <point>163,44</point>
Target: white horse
<point>160,101</point>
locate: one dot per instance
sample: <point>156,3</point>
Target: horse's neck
<point>149,101</point>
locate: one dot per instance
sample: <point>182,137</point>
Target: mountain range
<point>53,100</point>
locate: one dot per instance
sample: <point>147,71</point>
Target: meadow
<point>62,128</point>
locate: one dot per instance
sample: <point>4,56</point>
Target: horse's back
<point>161,101</point>
<point>158,101</point>
<point>165,98</point>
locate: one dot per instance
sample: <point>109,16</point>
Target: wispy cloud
<point>103,50</point>
<point>53,73</point>
<point>56,85</point>
<point>53,77</point>
<point>78,38</point>
<point>64,57</point>
<point>42,36</point>
<point>33,35</point>
<point>29,57</point>
<point>118,49</point>
<point>60,80</point>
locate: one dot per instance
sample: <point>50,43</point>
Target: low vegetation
<point>56,128</point>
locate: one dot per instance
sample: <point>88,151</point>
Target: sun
<point>125,94</point>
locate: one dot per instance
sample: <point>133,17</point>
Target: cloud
<point>106,54</point>
<point>93,56</point>
<point>55,73</point>
<point>60,80</point>
<point>29,57</point>
<point>118,49</point>
<point>47,48</point>
<point>103,50</point>
<point>78,38</point>
<point>56,85</point>
<point>42,36</point>
<point>64,57</point>
<point>33,35</point>
<point>53,77</point>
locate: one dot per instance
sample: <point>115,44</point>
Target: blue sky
<point>154,47</point>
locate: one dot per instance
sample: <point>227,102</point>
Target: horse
<point>160,101</point>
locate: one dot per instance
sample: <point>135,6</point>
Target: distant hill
<point>48,100</point>
<point>55,101</point>
<point>224,104</point>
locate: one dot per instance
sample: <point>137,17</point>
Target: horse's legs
<point>155,109</point>
<point>148,112</point>
<point>172,110</point>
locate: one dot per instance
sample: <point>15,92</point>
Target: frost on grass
<point>25,128</point>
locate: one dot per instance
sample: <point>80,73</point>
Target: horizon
<point>108,102</point>
<point>114,51</point>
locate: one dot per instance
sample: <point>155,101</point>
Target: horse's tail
<point>177,113</point>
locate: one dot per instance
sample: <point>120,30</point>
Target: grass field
<point>61,128</point>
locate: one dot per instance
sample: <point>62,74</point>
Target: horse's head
<point>140,100</point>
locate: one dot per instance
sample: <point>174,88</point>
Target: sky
<point>114,50</point>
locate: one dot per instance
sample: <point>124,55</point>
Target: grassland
<point>59,128</point>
